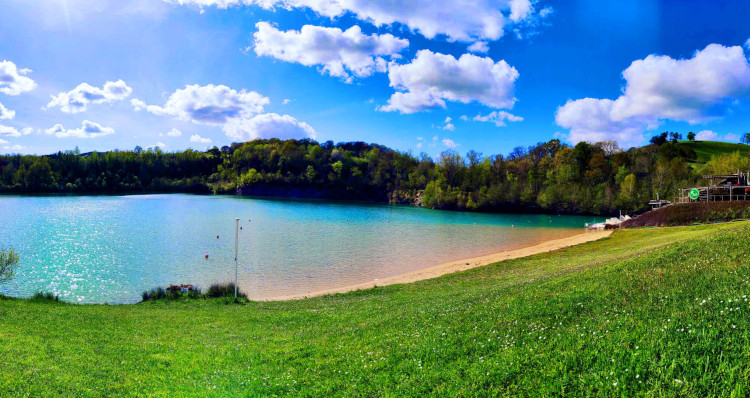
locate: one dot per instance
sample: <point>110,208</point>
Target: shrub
<point>43,297</point>
<point>154,294</point>
<point>8,264</point>
<point>223,290</point>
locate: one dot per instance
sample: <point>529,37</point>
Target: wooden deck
<point>716,193</point>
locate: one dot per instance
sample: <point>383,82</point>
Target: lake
<point>109,249</point>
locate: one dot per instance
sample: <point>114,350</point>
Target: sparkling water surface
<point>109,249</point>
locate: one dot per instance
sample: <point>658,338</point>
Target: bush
<point>223,290</point>
<point>39,296</point>
<point>8,264</point>
<point>154,294</point>
<point>214,291</point>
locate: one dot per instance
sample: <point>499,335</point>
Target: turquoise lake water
<point>109,249</point>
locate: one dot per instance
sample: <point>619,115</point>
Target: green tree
<point>726,164</point>
<point>311,174</point>
<point>338,168</point>
<point>39,175</point>
<point>8,264</point>
<point>430,195</point>
<point>691,136</point>
<point>628,192</point>
<point>250,177</point>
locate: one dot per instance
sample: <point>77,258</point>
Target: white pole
<point>236,247</point>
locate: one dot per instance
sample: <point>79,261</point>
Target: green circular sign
<point>694,193</point>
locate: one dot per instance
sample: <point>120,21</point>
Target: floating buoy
<point>240,227</point>
<point>206,255</point>
<point>217,236</point>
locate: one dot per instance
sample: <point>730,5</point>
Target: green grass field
<point>704,150</point>
<point>657,312</point>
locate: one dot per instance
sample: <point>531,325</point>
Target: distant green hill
<point>704,150</point>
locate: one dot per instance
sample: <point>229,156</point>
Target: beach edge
<point>455,266</point>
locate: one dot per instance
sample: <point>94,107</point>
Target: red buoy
<point>206,255</point>
<point>217,236</point>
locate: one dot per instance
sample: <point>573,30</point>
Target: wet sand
<point>458,265</point>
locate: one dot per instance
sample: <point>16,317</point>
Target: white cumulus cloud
<point>159,145</point>
<point>448,125</point>
<point>77,99</point>
<point>449,143</point>
<point>498,117</point>
<point>8,131</point>
<point>88,129</point>
<point>590,119</point>
<point>456,20</point>
<point>730,137</point>
<point>480,47</point>
<point>659,88</point>
<point>201,140</point>
<point>340,53</point>
<point>209,104</point>
<point>13,147</point>
<point>708,135</point>
<point>433,78</point>
<point>236,113</point>
<point>174,133</point>
<point>5,113</point>
<point>269,125</point>
<point>13,81</point>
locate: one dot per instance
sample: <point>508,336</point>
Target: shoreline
<point>456,266</point>
<point>521,210</point>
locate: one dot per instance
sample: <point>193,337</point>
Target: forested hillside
<point>547,177</point>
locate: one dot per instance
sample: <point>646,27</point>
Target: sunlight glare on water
<point>109,249</point>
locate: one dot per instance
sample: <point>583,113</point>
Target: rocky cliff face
<point>406,198</point>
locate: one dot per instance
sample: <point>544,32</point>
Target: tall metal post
<point>236,247</point>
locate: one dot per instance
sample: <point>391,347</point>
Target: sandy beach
<point>459,265</point>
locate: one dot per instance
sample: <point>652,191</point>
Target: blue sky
<point>100,74</point>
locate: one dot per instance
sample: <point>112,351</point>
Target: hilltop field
<point>705,150</point>
<point>659,312</point>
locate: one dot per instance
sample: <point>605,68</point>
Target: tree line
<point>588,178</point>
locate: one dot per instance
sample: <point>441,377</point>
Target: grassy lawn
<point>704,150</point>
<point>658,312</point>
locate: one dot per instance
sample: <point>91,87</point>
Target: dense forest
<point>549,177</point>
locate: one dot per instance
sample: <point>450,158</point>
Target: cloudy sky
<point>419,75</point>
